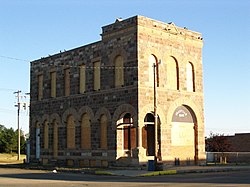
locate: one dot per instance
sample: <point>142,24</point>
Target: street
<point>36,178</point>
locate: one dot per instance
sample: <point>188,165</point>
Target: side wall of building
<point>178,53</point>
<point>239,142</point>
<point>61,117</point>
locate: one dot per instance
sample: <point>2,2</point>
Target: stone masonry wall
<point>135,39</point>
<point>106,101</point>
<point>166,41</point>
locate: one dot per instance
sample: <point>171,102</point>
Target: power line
<point>91,67</point>
<point>13,58</point>
<point>70,66</point>
<point>7,89</point>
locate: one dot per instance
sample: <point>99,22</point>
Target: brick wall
<point>239,142</point>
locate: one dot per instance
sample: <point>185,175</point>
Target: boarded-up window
<point>85,132</point>
<point>172,74</point>
<point>126,136</point>
<point>144,137</point>
<point>70,132</point>
<point>53,84</point>
<point>67,82</point>
<point>82,78</point>
<point>104,125</point>
<point>119,71</point>
<point>40,87</point>
<point>190,77</point>
<point>46,135</point>
<point>97,75</point>
<point>55,139</point>
<point>133,137</point>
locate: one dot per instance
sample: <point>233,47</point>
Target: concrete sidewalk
<point>170,170</point>
<point>134,172</point>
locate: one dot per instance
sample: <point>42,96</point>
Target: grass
<point>11,158</point>
<point>167,172</point>
<point>103,173</point>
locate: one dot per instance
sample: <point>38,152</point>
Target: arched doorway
<point>184,134</point>
<point>148,136</point>
<point>126,136</point>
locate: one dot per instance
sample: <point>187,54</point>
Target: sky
<point>31,29</point>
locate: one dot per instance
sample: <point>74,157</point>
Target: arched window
<point>184,133</point>
<point>67,82</point>
<point>40,87</point>
<point>151,60</point>
<point>70,132</point>
<point>119,71</point>
<point>85,132</point>
<point>53,84</point>
<point>46,135</point>
<point>190,77</point>
<point>97,75</point>
<point>82,78</point>
<point>104,125</point>
<point>55,139</point>
<point>172,74</point>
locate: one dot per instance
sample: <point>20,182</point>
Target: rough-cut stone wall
<point>106,101</point>
<point>166,41</point>
<point>134,39</point>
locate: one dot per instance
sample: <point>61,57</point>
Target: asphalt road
<point>36,178</point>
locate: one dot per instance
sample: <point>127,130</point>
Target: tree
<point>9,139</point>
<point>22,141</point>
<point>2,139</point>
<point>217,143</point>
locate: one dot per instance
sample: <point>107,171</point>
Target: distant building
<point>240,142</point>
<point>238,150</point>
<point>93,106</point>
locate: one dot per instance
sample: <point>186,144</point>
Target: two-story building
<point>96,105</point>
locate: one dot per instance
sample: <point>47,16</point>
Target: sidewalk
<point>171,170</point>
<point>135,172</point>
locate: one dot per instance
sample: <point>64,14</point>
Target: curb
<point>123,172</point>
<point>103,173</point>
<point>167,172</point>
<point>173,172</point>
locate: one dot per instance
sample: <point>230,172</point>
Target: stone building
<point>94,105</point>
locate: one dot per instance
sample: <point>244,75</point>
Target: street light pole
<point>18,127</point>
<point>156,84</point>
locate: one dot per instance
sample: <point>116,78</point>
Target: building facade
<point>236,150</point>
<point>94,106</point>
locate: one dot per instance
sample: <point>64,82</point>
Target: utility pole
<point>18,128</point>
<point>156,84</point>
